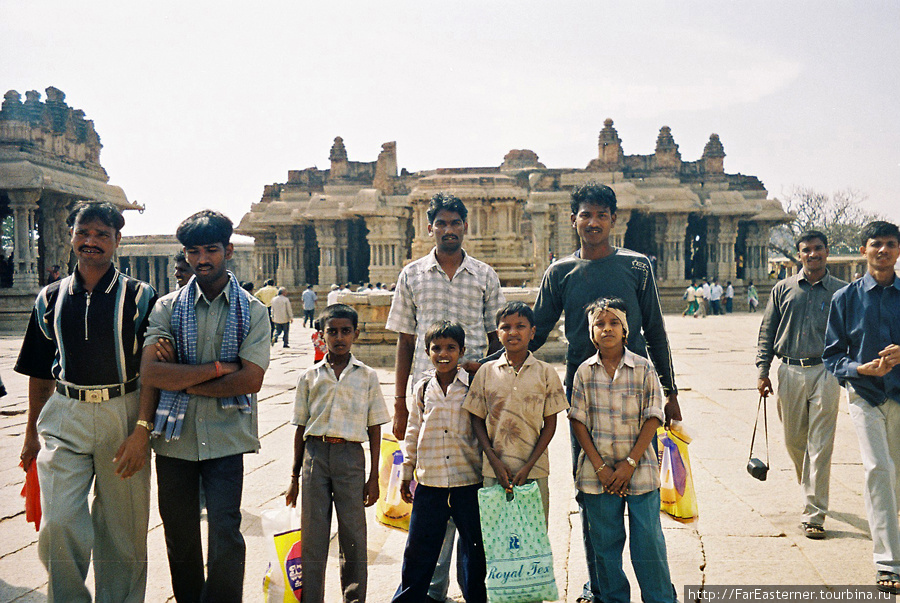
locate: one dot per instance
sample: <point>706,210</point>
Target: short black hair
<point>269,282</point>
<point>179,256</point>
<point>878,228</point>
<point>446,202</point>
<point>205,227</point>
<point>104,212</point>
<point>446,328</point>
<point>594,193</point>
<point>809,235</point>
<point>516,307</point>
<point>247,286</point>
<point>339,311</point>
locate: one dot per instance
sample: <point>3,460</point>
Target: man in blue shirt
<point>309,306</point>
<point>862,349</point>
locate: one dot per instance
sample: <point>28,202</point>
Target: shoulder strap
<point>761,404</point>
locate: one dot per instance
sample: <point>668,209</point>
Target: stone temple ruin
<point>362,221</point>
<point>49,161</point>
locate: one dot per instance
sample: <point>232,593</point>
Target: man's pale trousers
<point>79,441</point>
<point>808,399</point>
<point>878,430</point>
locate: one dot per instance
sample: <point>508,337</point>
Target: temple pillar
<point>328,252</point>
<point>727,237</point>
<point>55,238</point>
<point>23,204</point>
<point>386,234</point>
<point>341,245</point>
<point>671,262</point>
<point>540,237</point>
<point>755,268</point>
<point>422,243</point>
<point>285,245</point>
<point>618,233</point>
<point>266,254</point>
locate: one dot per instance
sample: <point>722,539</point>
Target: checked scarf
<point>173,404</point>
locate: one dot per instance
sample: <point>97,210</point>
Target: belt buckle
<point>95,396</point>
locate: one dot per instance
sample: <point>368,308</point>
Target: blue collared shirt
<point>864,319</point>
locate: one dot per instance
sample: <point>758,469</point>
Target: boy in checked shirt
<point>338,406</point>
<point>441,449</point>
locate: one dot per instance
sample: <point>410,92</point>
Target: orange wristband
<point>218,369</point>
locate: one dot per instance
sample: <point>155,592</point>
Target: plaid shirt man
<point>425,295</point>
<point>440,444</point>
<point>613,410</point>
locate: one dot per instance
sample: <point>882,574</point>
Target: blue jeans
<point>179,507</point>
<point>432,508</point>
<point>604,514</point>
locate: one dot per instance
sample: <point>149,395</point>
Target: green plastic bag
<point>516,545</point>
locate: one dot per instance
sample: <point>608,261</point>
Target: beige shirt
<point>513,407</point>
<point>281,310</point>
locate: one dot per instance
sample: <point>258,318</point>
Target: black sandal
<point>813,531</point>
<point>888,582</point>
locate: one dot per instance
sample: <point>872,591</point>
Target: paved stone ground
<point>747,532</point>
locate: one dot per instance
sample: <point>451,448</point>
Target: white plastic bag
<point>284,578</point>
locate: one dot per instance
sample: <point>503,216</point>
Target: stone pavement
<point>747,532</point>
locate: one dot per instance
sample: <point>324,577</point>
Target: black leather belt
<point>801,361</point>
<point>96,394</point>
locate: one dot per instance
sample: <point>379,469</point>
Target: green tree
<point>839,216</point>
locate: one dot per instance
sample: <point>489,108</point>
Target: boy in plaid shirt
<point>338,406</point>
<point>441,449</point>
<point>616,409</point>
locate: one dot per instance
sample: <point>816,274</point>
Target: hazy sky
<point>200,104</point>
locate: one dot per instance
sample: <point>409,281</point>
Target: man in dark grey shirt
<point>793,328</point>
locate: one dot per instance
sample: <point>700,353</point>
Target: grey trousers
<point>79,440</point>
<point>333,474</point>
<point>808,399</point>
<point>878,431</point>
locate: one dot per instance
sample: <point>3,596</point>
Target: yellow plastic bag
<point>390,509</point>
<point>284,578</point>
<point>676,491</point>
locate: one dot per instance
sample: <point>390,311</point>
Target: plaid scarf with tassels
<point>172,405</point>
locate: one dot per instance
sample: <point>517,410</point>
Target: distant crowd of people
<point>116,371</point>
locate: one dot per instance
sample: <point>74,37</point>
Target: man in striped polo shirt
<point>82,355</point>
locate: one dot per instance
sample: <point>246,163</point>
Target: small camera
<point>757,469</point>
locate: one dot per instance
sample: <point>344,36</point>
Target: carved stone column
<point>671,264</point>
<point>265,251</point>
<point>618,234</point>
<point>341,235</point>
<point>284,244</point>
<point>24,203</point>
<point>540,237</point>
<point>421,243</point>
<point>386,255</point>
<point>328,253</point>
<point>727,236</point>
<point>55,238</point>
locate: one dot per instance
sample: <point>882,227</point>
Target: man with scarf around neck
<point>81,353</point>
<point>208,345</point>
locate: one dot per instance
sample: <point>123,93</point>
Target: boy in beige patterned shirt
<point>513,402</point>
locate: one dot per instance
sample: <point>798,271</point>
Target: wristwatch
<point>145,424</point>
<point>630,461</point>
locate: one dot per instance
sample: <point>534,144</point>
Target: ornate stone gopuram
<point>49,161</point>
<point>362,221</point>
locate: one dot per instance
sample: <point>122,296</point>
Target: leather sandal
<point>813,531</point>
<point>888,582</point>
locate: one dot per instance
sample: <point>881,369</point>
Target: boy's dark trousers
<point>334,477</point>
<point>432,507</point>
